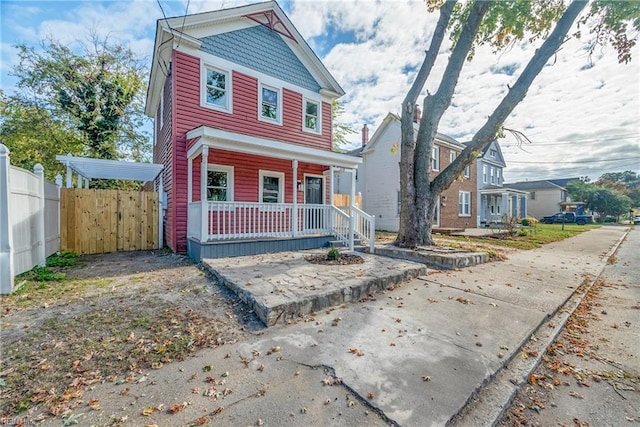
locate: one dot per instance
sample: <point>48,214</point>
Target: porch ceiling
<point>216,138</point>
<point>500,191</point>
<point>111,169</point>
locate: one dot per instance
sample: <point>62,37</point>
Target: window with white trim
<point>219,183</point>
<point>492,174</point>
<point>464,203</point>
<point>467,171</point>
<point>271,187</point>
<point>311,116</point>
<point>532,195</point>
<point>484,174</point>
<point>435,158</point>
<point>452,156</point>
<point>493,152</point>
<point>270,104</point>
<point>498,175</point>
<point>216,88</point>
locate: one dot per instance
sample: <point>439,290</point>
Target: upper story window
<point>216,88</point>
<point>467,171</point>
<point>271,187</point>
<point>484,174</point>
<point>311,120</point>
<point>492,173</point>
<point>435,158</point>
<point>452,156</point>
<point>493,152</point>
<point>498,173</point>
<point>270,104</point>
<point>219,183</point>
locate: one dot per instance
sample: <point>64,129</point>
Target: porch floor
<point>283,286</point>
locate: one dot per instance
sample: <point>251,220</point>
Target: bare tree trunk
<point>514,96</point>
<point>434,108</point>
<point>407,231</point>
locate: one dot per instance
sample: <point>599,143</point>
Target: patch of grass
<point>52,364</point>
<point>537,236</point>
<point>62,260</point>
<point>36,294</point>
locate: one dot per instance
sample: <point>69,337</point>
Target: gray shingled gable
<point>262,50</point>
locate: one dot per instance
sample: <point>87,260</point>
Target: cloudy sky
<point>582,114</point>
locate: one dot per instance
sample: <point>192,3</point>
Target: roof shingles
<point>262,50</point>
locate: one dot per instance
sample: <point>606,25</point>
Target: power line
<point>575,162</point>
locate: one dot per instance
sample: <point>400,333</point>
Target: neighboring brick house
<point>546,196</point>
<point>242,110</point>
<point>378,179</point>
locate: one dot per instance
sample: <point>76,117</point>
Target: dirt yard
<point>113,316</point>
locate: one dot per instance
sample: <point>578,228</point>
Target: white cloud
<point>572,112</point>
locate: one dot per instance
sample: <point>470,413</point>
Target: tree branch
<point>514,96</point>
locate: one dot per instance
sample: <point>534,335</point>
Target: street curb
<point>487,406</point>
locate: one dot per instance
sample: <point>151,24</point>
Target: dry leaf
<point>94,404</point>
<point>174,409</point>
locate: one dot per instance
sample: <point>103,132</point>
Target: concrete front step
<point>284,286</point>
<point>437,257</point>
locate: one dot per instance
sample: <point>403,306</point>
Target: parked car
<point>568,218</point>
<point>636,219</point>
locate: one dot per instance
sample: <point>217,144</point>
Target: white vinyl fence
<point>29,220</point>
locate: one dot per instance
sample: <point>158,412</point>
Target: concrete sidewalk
<point>414,355</point>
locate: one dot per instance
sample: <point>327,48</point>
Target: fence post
<point>59,185</point>
<point>6,228</point>
<point>38,170</point>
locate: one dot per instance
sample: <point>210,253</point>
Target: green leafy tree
<point>34,136</point>
<point>498,24</point>
<point>340,130</point>
<point>608,202</point>
<point>98,92</point>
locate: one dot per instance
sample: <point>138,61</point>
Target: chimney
<point>365,135</point>
<point>417,114</point>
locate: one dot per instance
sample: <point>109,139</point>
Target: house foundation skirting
<point>200,250</point>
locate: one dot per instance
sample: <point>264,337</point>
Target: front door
<point>313,194</point>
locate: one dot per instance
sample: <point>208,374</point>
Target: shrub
<point>333,254</point>
<point>525,222</point>
<point>62,259</point>
<point>522,232</point>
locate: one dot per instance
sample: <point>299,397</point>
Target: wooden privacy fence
<point>100,221</point>
<point>345,200</point>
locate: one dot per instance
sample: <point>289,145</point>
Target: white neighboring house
<point>378,179</point>
<point>496,200</point>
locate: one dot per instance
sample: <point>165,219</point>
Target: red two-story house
<point>243,126</point>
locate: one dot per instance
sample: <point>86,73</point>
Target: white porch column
<point>189,180</point>
<point>86,183</point>
<point>294,213</point>
<point>352,202</point>
<point>69,173</point>
<point>6,226</point>
<point>525,203</point>
<point>38,170</point>
<point>331,189</point>
<point>506,203</point>
<point>204,234</point>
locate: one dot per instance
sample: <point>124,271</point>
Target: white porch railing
<point>247,220</point>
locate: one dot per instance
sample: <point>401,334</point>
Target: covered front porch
<point>496,204</point>
<point>266,196</point>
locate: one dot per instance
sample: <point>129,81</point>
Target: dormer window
<point>311,119</point>
<point>270,104</point>
<point>216,88</point>
<point>493,152</point>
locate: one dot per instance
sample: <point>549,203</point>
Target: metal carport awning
<point>89,168</point>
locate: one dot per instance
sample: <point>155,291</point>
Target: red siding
<point>247,172</point>
<point>183,95</point>
<point>244,118</point>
